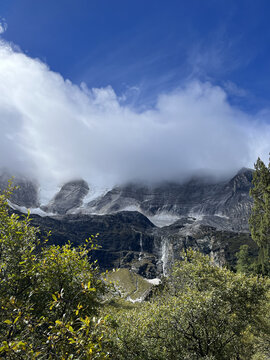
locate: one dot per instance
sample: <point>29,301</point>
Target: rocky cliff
<point>129,240</point>
<point>226,204</point>
<point>26,192</point>
<point>69,197</point>
<point>211,216</point>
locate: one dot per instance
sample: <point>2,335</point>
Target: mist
<point>54,130</point>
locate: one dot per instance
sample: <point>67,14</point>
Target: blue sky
<point>113,90</point>
<point>144,48</point>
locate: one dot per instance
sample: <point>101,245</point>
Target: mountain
<point>26,193</point>
<point>144,228</point>
<point>69,197</point>
<point>228,201</point>
<point>225,204</point>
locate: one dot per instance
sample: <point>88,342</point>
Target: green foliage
<point>129,284</point>
<point>260,216</point>
<point>244,262</point>
<point>203,311</point>
<point>51,305</point>
<point>50,297</point>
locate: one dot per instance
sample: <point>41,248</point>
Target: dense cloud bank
<point>53,129</point>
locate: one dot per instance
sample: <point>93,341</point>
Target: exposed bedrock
<point>211,216</point>
<point>69,197</point>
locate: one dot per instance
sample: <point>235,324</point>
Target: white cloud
<point>3,26</point>
<point>234,90</point>
<point>56,130</point>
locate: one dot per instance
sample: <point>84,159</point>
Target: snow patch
<point>155,281</point>
<point>131,208</point>
<point>33,211</point>
<point>221,216</point>
<point>139,300</point>
<point>94,193</point>
<point>163,219</point>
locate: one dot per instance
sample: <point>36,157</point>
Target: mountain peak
<point>70,196</point>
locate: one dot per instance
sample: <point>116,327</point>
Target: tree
<point>50,297</point>
<point>203,312</point>
<point>259,221</point>
<point>244,262</point>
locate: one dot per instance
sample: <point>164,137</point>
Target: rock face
<point>129,240</point>
<point>227,203</point>
<point>221,245</point>
<point>69,197</point>
<point>123,236</point>
<point>26,192</point>
<point>206,215</point>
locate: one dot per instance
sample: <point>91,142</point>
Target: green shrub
<point>203,312</point>
<point>50,297</point>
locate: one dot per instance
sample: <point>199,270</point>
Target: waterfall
<point>141,247</point>
<point>165,255</point>
<point>141,243</point>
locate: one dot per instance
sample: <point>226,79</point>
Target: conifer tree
<point>243,260</point>
<point>260,216</point>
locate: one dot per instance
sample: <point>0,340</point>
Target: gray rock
<point>129,240</point>
<point>227,202</point>
<point>26,191</point>
<point>210,216</point>
<point>69,197</point>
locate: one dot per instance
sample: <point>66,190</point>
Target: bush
<point>203,312</point>
<point>50,297</point>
